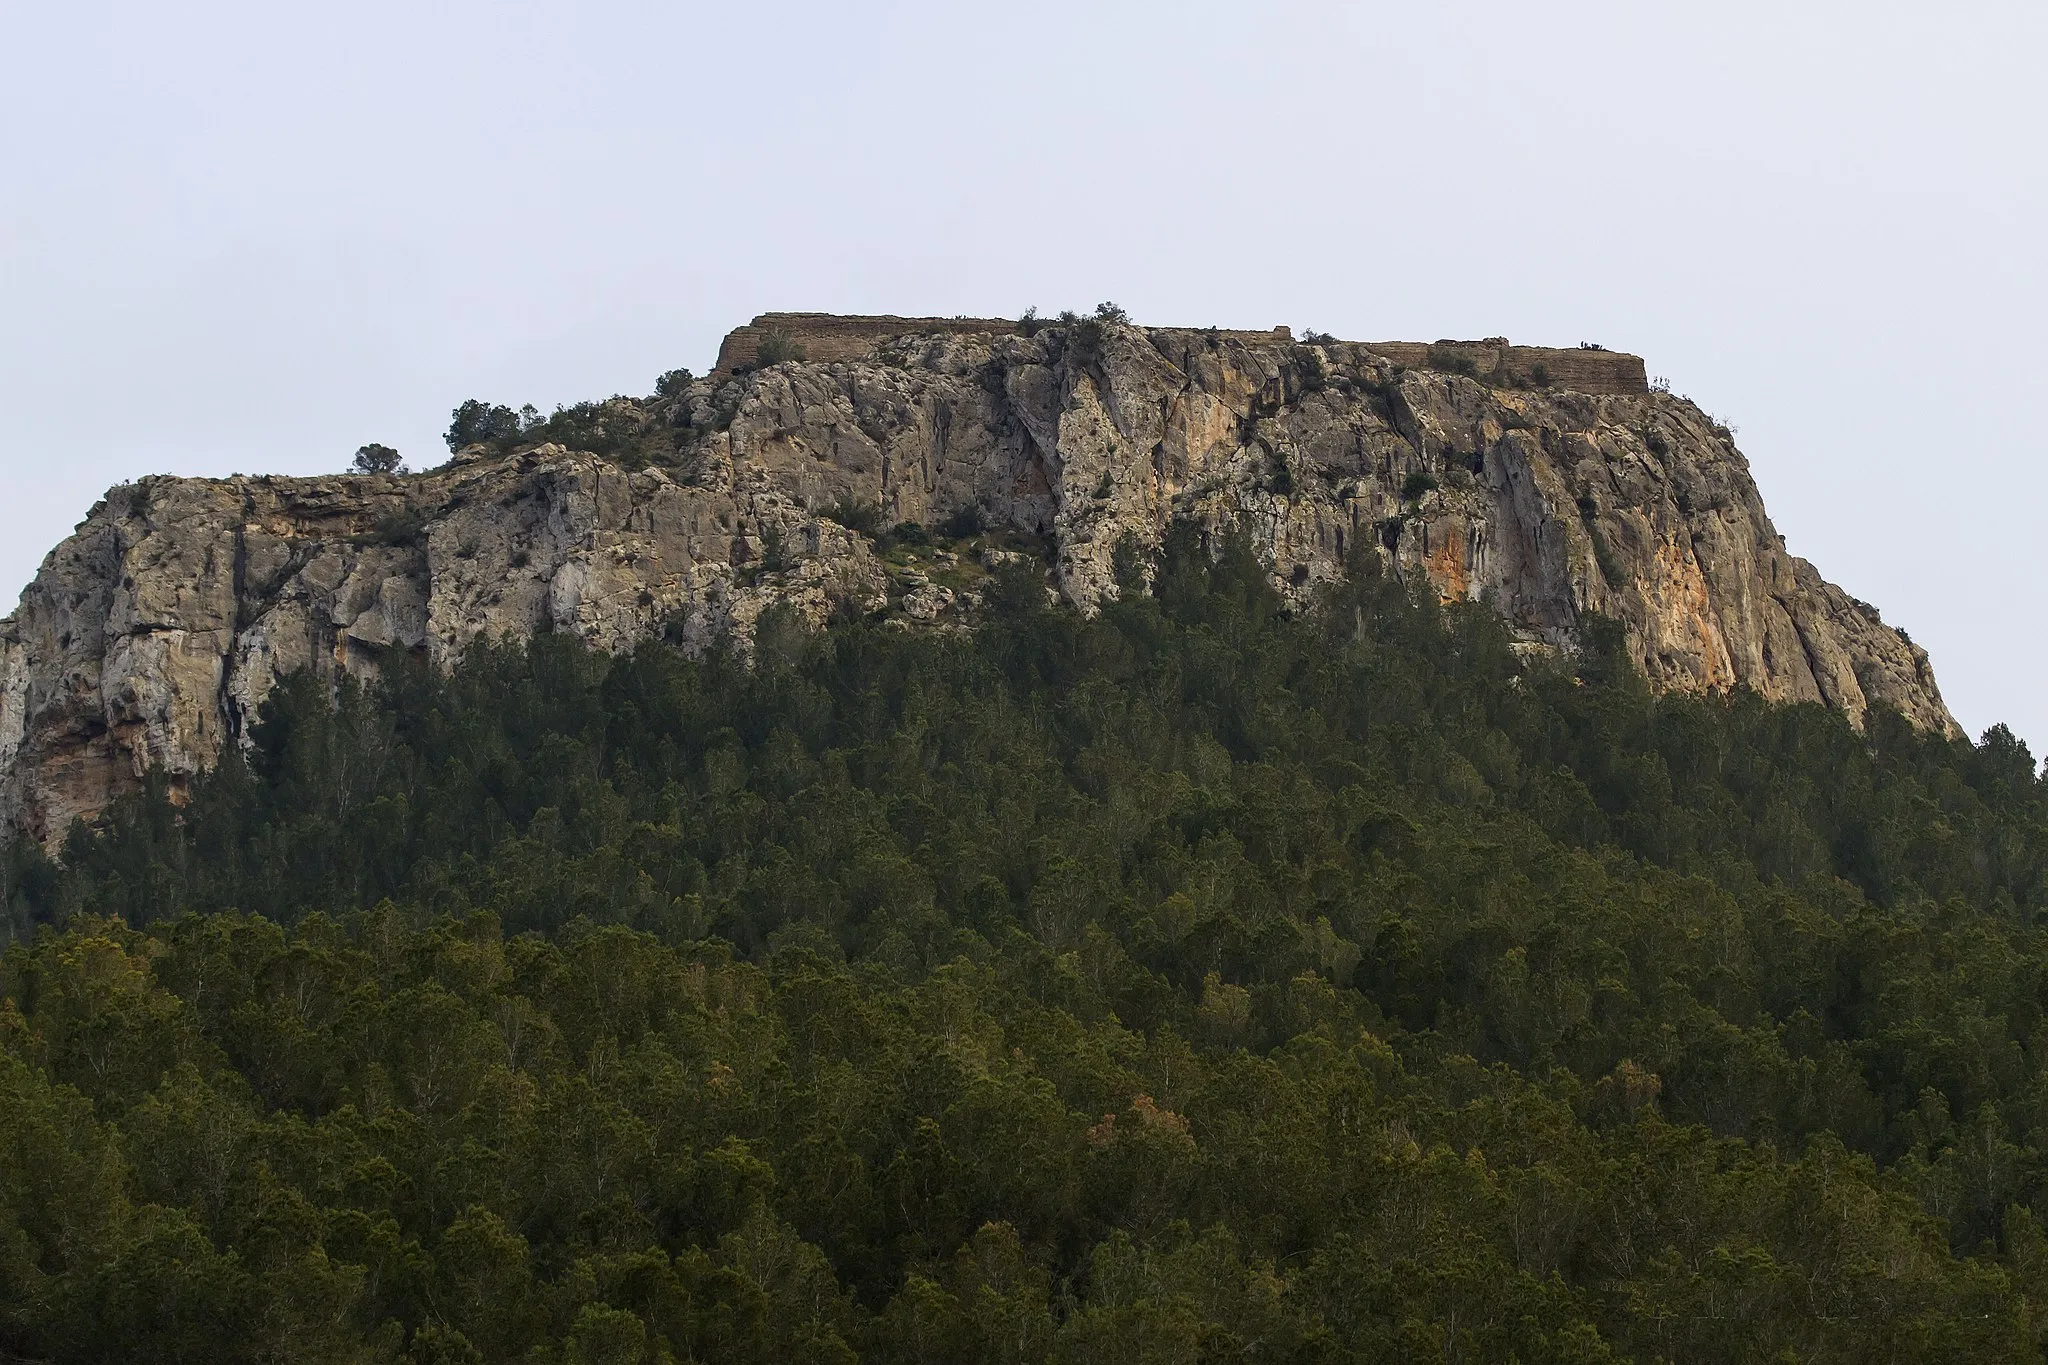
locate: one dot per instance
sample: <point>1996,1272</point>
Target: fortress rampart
<point>837,336</point>
<point>1494,360</point>
<point>834,336</point>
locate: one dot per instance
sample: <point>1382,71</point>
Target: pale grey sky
<point>251,237</point>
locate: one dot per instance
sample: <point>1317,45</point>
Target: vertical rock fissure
<point>230,714</point>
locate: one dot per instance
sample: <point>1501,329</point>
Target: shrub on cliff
<point>404,528</point>
<point>862,517</point>
<point>619,429</point>
<point>377,459</point>
<point>963,524</point>
<point>475,422</point>
<point>1451,360</point>
<point>776,347</point>
<point>611,428</point>
<point>1416,484</point>
<point>1084,338</point>
<point>1085,335</point>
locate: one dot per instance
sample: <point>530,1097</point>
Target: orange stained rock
<point>1446,563</point>
<point>1684,613</point>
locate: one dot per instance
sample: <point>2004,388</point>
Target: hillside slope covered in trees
<point>1196,981</point>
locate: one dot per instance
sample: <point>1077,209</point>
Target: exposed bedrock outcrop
<point>150,636</point>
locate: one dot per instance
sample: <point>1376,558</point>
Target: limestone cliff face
<point>151,635</point>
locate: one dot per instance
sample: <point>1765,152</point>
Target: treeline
<point>1190,982</point>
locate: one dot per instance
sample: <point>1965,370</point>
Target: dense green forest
<point>1195,982</point>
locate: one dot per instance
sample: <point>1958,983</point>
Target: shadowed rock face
<point>151,635</point>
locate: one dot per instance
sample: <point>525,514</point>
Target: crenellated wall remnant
<point>823,338</point>
<point>826,337</point>
<point>1580,369</point>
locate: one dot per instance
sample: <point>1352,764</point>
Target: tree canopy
<point>377,459</point>
<point>1193,981</point>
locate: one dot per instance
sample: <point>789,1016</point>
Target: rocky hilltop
<point>1550,484</point>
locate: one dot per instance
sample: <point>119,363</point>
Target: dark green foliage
<point>1029,323</point>
<point>1083,337</point>
<point>28,879</point>
<point>776,347</point>
<point>1416,484</point>
<point>906,533</point>
<point>488,424</point>
<point>405,527</point>
<point>1084,341</point>
<point>1451,360</point>
<point>774,553</point>
<point>1195,981</point>
<point>963,524</point>
<point>619,429</point>
<point>377,459</point>
<point>672,383</point>
<point>863,517</point>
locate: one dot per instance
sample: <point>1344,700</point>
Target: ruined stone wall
<point>827,337</point>
<point>1495,360</point>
